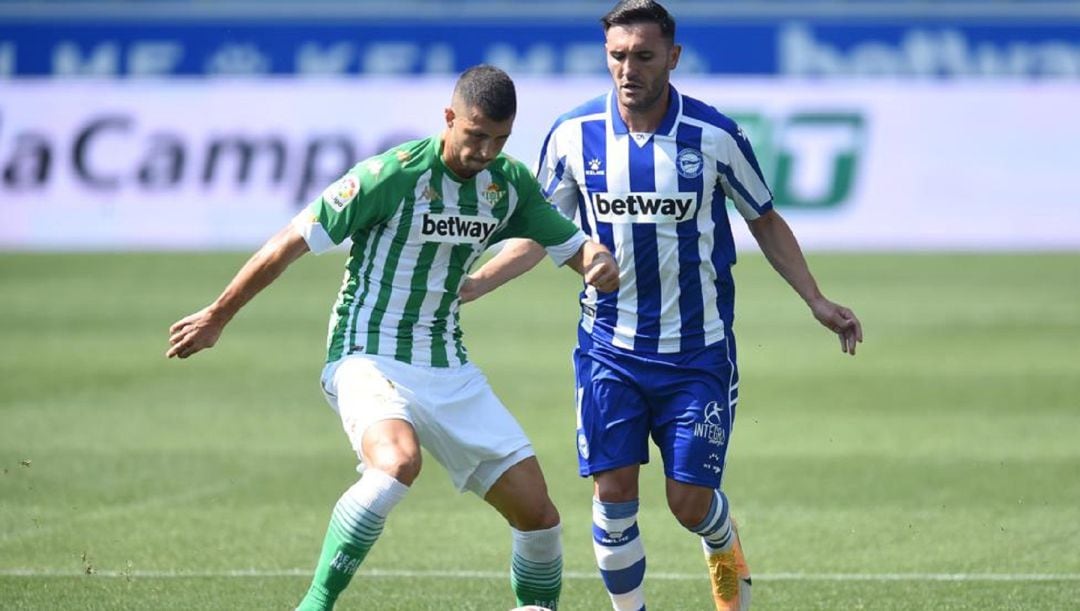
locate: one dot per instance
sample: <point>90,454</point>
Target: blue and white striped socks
<point>715,529</point>
<point>620,553</point>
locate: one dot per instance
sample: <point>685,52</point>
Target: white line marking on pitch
<point>374,573</point>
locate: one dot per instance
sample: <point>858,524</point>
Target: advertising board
<point>223,164</point>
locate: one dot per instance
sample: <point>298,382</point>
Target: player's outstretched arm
<point>782,250</point>
<point>202,329</point>
<point>517,256</point>
<point>596,265</point>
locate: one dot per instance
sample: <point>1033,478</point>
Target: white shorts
<point>456,415</point>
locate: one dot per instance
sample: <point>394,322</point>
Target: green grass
<point>948,446</point>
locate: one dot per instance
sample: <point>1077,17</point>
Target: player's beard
<point>460,163</point>
<point>471,166</point>
<point>643,98</point>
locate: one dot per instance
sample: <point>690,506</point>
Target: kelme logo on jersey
<point>643,207</point>
<point>595,167</point>
<point>454,229</point>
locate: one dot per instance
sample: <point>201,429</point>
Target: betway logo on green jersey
<point>643,207</point>
<point>454,229</point>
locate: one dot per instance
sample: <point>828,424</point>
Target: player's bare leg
<point>706,512</point>
<point>520,495</point>
<point>391,455</point>
<point>620,553</point>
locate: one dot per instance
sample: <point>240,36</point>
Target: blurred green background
<point>938,468</point>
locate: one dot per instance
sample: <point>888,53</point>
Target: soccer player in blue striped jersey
<point>646,171</point>
<point>397,372</point>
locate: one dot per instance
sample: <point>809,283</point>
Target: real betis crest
<point>492,194</point>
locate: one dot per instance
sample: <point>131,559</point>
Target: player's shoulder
<point>697,110</point>
<point>512,169</point>
<point>411,156</point>
<point>395,162</point>
<point>381,172</point>
<point>593,108</point>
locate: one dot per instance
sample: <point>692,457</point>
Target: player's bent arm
<point>517,256</point>
<point>780,247</point>
<point>202,329</point>
<point>596,265</point>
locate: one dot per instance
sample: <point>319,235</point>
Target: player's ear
<point>449,114</point>
<point>673,59</point>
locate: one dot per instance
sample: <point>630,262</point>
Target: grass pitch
<point>939,468</point>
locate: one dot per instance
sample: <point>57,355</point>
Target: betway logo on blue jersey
<point>643,207</point>
<point>454,229</point>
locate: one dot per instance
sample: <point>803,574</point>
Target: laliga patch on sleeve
<point>341,192</point>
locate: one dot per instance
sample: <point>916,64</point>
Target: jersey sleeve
<point>555,176</point>
<point>538,220</point>
<point>740,175</point>
<point>358,200</point>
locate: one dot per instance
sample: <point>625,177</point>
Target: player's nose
<point>487,152</point>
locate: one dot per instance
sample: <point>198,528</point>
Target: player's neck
<point>446,155</point>
<point>646,120</point>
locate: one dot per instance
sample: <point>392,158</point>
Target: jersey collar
<point>666,124</point>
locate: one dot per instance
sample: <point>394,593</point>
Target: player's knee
<point>689,509</point>
<point>402,466</point>
<point>617,486</point>
<point>549,517</point>
<point>538,517</point>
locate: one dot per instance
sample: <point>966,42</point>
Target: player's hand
<point>194,333</point>
<point>471,289</point>
<point>839,320</point>
<point>603,272</point>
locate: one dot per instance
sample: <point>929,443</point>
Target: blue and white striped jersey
<point>657,202</point>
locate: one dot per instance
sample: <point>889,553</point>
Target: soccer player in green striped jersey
<point>397,373</point>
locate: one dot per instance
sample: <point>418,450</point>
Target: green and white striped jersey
<point>416,230</point>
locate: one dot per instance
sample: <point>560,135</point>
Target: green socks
<point>536,567</point>
<point>355,525</point>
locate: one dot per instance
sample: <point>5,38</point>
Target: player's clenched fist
<point>602,272</point>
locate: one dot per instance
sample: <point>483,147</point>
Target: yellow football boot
<point>730,577</point>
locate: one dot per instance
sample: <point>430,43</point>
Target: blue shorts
<point>685,402</point>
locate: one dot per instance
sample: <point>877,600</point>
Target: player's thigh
<point>468,430</point>
<point>520,494</point>
<point>612,415</point>
<point>693,422</point>
<point>368,399</point>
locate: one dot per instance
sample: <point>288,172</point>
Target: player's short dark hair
<point>629,12</point>
<point>489,90</point>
